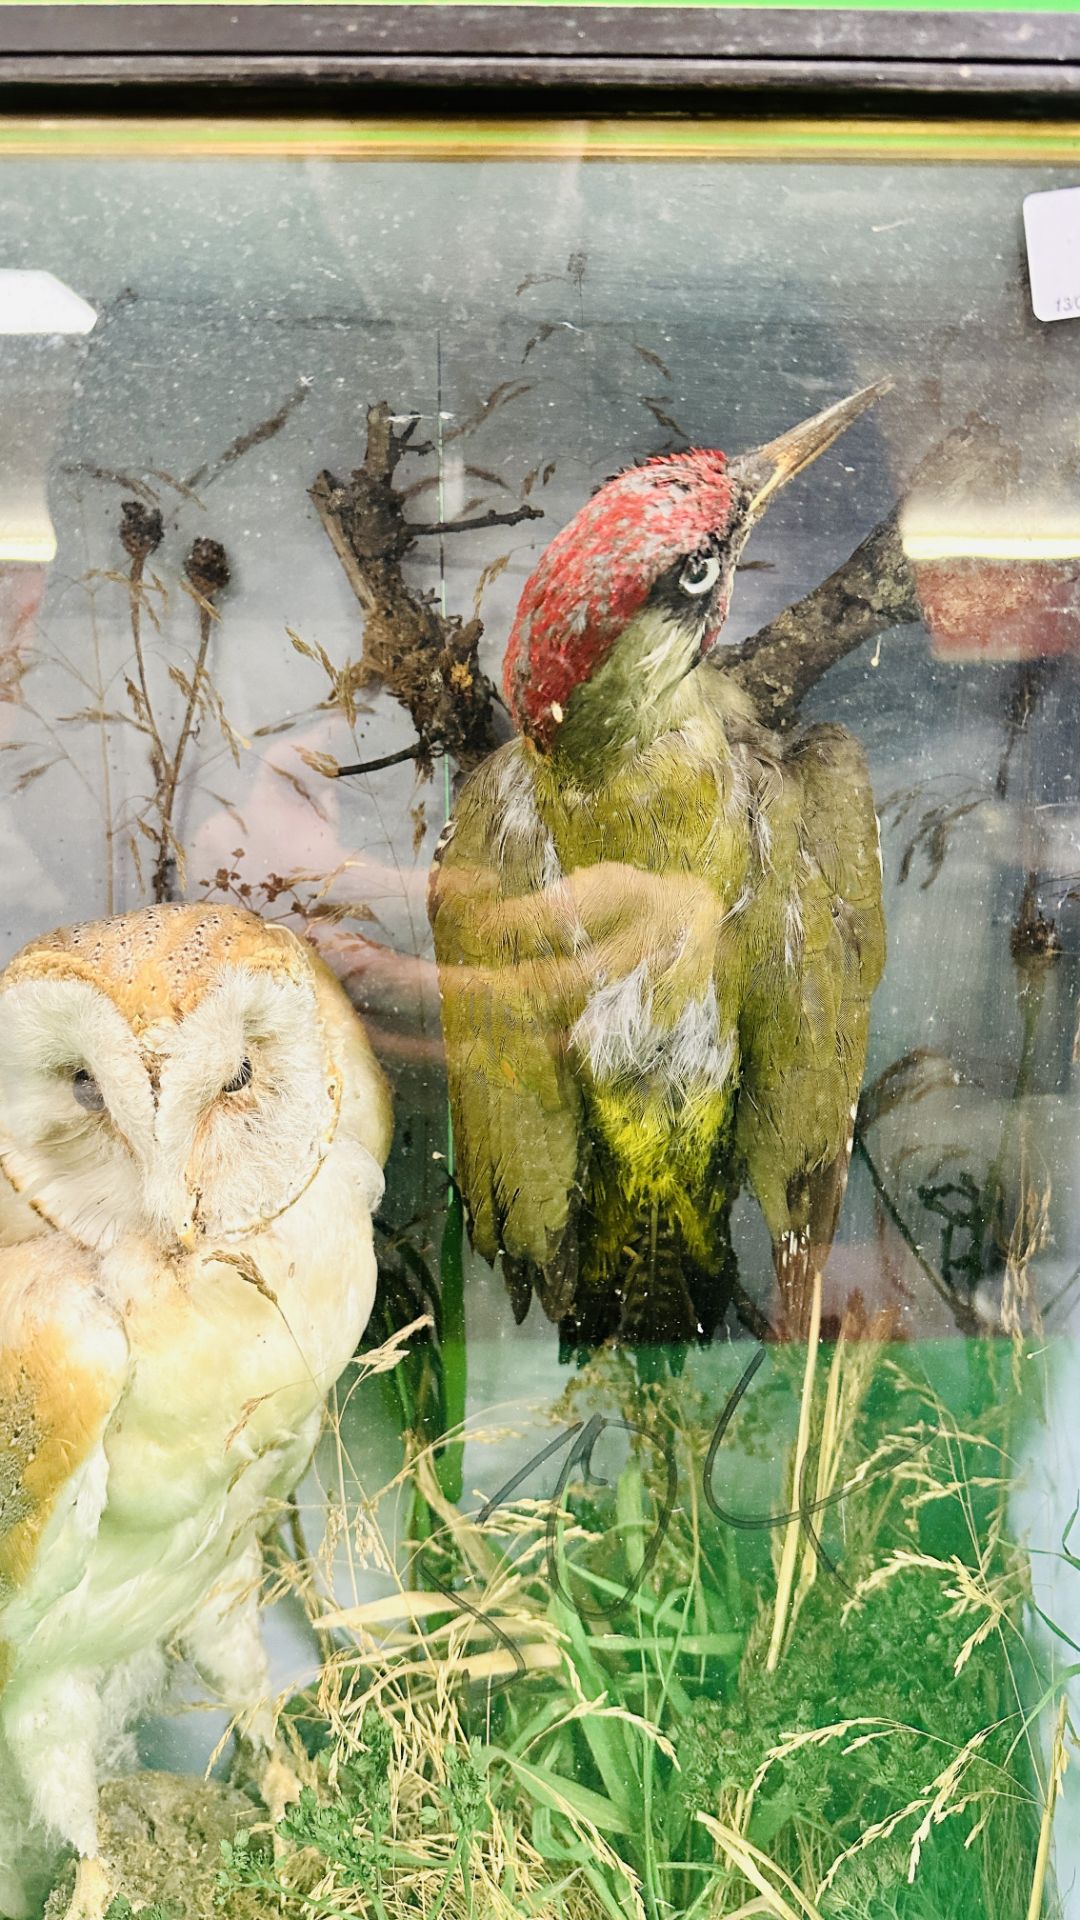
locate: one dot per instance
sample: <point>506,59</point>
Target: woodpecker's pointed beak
<point>768,468</point>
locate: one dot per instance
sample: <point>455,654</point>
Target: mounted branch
<point>426,658</point>
<point>872,592</point>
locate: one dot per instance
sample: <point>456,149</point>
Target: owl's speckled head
<point>166,1072</point>
<point>158,962</point>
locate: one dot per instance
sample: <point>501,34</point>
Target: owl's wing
<point>504,951</point>
<point>64,1364</point>
<point>805,1027</point>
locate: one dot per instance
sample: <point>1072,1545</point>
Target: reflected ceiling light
<point>33,544</point>
<point>32,301</point>
<point>992,546</point>
<point>1032,530</point>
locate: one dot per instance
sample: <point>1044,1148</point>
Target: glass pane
<point>689,1526</point>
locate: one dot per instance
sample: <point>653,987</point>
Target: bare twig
<point>112,476</point>
<point>873,591</point>
<point>480,521</point>
<point>385,760</point>
<point>750,1315</point>
<point>140,536</point>
<point>102,720</point>
<point>211,470</point>
<point>1028,683</point>
<point>963,1312</point>
<point>426,658</point>
<point>207,570</point>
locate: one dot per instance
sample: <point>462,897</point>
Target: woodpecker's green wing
<point>504,942</point>
<point>64,1363</point>
<point>820,935</point>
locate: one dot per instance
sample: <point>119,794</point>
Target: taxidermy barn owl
<point>192,1133</point>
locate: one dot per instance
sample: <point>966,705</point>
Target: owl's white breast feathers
<point>192,1124</point>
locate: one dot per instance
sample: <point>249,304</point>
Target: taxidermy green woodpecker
<point>658,925</point>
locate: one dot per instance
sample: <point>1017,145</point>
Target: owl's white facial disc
<point>78,1164</point>
<point>205,1126</point>
<point>247,1105</point>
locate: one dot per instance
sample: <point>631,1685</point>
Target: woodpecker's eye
<point>86,1091</point>
<point>700,574</point>
<point>241,1078</point>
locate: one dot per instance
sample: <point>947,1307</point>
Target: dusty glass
<point>691,1534</point>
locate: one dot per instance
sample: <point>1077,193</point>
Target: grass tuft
<point>594,1714</point>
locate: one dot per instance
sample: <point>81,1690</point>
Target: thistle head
<point>635,590</point>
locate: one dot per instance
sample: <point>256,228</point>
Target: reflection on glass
<point>693,1532</point>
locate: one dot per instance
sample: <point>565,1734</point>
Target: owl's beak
<point>172,1202</point>
<point>185,1221</point>
<point>187,1233</point>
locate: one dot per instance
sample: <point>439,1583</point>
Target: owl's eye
<point>700,574</point>
<point>86,1091</point>
<point>240,1079</point>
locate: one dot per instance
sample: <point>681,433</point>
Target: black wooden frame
<point>396,58</point>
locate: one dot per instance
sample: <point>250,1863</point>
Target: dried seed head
<point>207,567</point>
<point>141,531</point>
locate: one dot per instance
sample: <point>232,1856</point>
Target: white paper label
<point>1052,231</point>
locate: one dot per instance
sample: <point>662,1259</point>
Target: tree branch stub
<point>428,659</point>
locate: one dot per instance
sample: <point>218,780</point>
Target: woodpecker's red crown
<point>600,570</point>
<point>676,526</point>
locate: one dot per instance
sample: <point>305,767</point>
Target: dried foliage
<point>206,575</point>
<point>422,655</point>
<point>491,1738</point>
<point>931,832</point>
<point>145,825</point>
